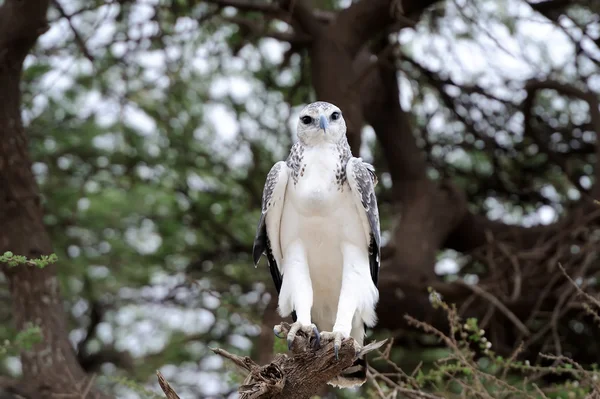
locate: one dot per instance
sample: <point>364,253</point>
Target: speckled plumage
<point>270,186</point>
<point>294,160</point>
<point>344,155</point>
<point>363,174</point>
<point>297,166</point>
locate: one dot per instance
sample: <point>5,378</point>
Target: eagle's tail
<point>353,376</point>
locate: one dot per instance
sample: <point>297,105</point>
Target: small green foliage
<point>280,345</point>
<point>13,260</point>
<point>23,341</point>
<point>28,337</point>
<point>472,369</point>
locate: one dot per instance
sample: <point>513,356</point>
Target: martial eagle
<point>319,229</point>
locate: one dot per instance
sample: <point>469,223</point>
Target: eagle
<point>319,229</point>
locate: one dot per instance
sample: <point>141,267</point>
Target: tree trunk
<point>50,364</point>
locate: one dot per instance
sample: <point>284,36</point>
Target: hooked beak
<point>323,123</point>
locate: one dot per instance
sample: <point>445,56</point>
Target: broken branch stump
<point>298,375</point>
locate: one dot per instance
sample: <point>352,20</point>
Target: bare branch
<point>78,39</point>
<point>246,5</point>
<point>297,376</point>
<point>296,38</point>
<point>498,304</point>
<point>268,8</point>
<point>243,362</point>
<point>171,394</point>
<point>409,393</point>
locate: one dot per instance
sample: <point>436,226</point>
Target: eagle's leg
<point>353,295</point>
<point>296,293</point>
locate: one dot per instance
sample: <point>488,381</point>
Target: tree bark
<point>51,365</point>
<point>299,375</point>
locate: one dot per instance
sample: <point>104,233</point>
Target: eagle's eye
<point>335,116</point>
<point>306,119</point>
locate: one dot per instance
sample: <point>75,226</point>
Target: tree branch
<point>362,21</point>
<point>268,8</point>
<point>381,106</point>
<point>295,38</point>
<point>303,14</point>
<point>297,376</point>
<point>78,39</point>
<point>551,9</point>
<point>534,85</point>
<point>166,387</point>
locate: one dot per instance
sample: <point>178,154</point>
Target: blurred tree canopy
<point>135,137</point>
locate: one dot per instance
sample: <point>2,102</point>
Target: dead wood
<point>164,385</point>
<point>298,375</point>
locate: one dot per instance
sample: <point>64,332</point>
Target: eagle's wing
<point>362,181</point>
<point>267,234</point>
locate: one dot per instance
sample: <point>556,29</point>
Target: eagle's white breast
<point>320,218</point>
<point>316,192</point>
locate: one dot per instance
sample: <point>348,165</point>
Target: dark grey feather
<point>260,239</point>
<point>364,175</point>
<point>270,184</point>
<point>262,244</point>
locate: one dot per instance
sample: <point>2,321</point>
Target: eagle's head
<point>321,122</point>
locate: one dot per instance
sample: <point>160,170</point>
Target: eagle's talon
<point>337,338</point>
<point>317,343</point>
<point>307,329</point>
<point>277,331</point>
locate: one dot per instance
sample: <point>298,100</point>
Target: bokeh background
<point>152,126</point>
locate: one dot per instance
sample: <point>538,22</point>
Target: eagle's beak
<point>323,123</point>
